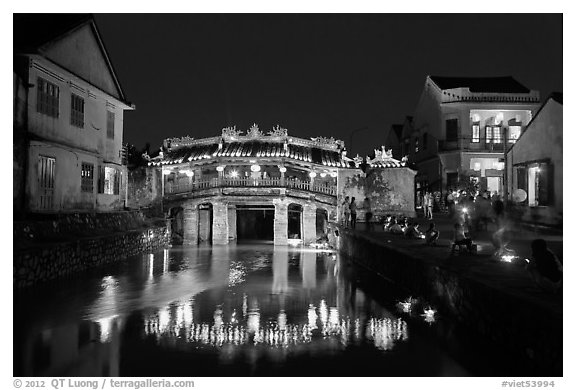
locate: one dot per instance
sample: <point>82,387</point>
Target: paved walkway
<point>482,267</point>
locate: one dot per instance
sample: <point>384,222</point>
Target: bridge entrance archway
<point>205,217</point>
<point>294,221</point>
<point>255,223</point>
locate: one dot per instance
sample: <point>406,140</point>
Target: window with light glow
<point>488,134</point>
<point>475,133</point>
<point>514,133</point>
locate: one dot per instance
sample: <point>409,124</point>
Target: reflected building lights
<point>150,266</point>
<point>384,332</point>
<point>165,262</point>
<point>106,325</point>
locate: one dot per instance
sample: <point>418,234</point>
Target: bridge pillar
<point>219,223</point>
<point>190,225</point>
<point>308,223</point>
<point>280,223</point>
<point>232,235</point>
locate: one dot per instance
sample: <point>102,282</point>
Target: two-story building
<point>68,117</point>
<point>461,127</point>
<point>535,168</point>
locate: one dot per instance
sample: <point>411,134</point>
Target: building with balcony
<point>68,117</point>
<point>461,127</point>
<point>272,186</point>
<point>534,166</point>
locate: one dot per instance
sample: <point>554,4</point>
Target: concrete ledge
<point>496,300</point>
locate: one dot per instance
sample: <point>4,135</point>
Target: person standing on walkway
<point>425,204</point>
<point>430,205</point>
<point>368,213</point>
<point>346,211</point>
<point>353,212</point>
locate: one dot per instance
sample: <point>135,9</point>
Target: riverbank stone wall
<point>48,247</point>
<point>528,331</point>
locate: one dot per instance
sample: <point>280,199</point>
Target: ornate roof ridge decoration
<point>230,133</point>
<point>278,132</point>
<point>329,143</point>
<point>175,143</point>
<point>356,160</point>
<point>383,157</point>
<point>254,132</point>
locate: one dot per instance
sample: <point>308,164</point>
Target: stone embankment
<point>495,300</point>
<point>48,247</point>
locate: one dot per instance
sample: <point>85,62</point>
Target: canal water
<point>227,311</point>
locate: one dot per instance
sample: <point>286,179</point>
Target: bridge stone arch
<point>222,217</point>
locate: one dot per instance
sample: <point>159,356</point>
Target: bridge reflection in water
<point>217,311</point>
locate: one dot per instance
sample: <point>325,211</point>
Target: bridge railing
<point>183,187</point>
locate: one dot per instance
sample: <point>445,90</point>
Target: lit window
<point>416,145</point>
<point>109,181</point>
<point>539,180</point>
<point>475,133</point>
<point>47,98</point>
<point>87,177</point>
<point>488,134</point>
<point>514,133</point>
<point>76,111</point>
<point>497,135</point>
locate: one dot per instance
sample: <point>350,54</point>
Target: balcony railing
<point>183,187</point>
<point>468,144</point>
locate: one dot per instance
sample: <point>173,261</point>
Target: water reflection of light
<point>333,319</point>
<point>406,306</point>
<point>384,332</point>
<point>105,327</point>
<point>218,317</point>
<point>163,319</point>
<point>237,273</point>
<point>282,320</point>
<point>150,266</point>
<point>165,262</point>
<point>323,312</point>
<point>312,317</point>
<point>429,315</point>
<point>244,305</point>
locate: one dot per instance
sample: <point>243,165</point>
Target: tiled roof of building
<point>506,84</point>
<point>254,149</point>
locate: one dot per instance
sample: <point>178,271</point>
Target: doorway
<point>255,223</point>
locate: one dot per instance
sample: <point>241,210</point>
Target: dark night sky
<point>316,74</point>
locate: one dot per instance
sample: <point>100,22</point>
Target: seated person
<point>390,220</point>
<point>394,227</point>
<point>432,234</point>
<point>412,231</point>
<point>545,268</point>
<point>460,238</point>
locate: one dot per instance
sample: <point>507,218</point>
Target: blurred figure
<point>425,203</point>
<point>545,268</point>
<point>394,227</point>
<point>432,234</point>
<point>353,212</point>
<point>412,231</point>
<point>450,202</point>
<point>346,211</point>
<point>460,238</point>
<point>368,213</point>
<point>430,205</point>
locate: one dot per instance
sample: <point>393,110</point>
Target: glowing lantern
<point>220,168</point>
<point>282,169</point>
<point>312,174</point>
<point>323,174</point>
<point>255,168</point>
<point>234,174</point>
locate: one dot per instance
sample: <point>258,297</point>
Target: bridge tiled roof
<point>256,149</point>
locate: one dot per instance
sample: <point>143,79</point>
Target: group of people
<point>428,204</point>
<point>350,210</point>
